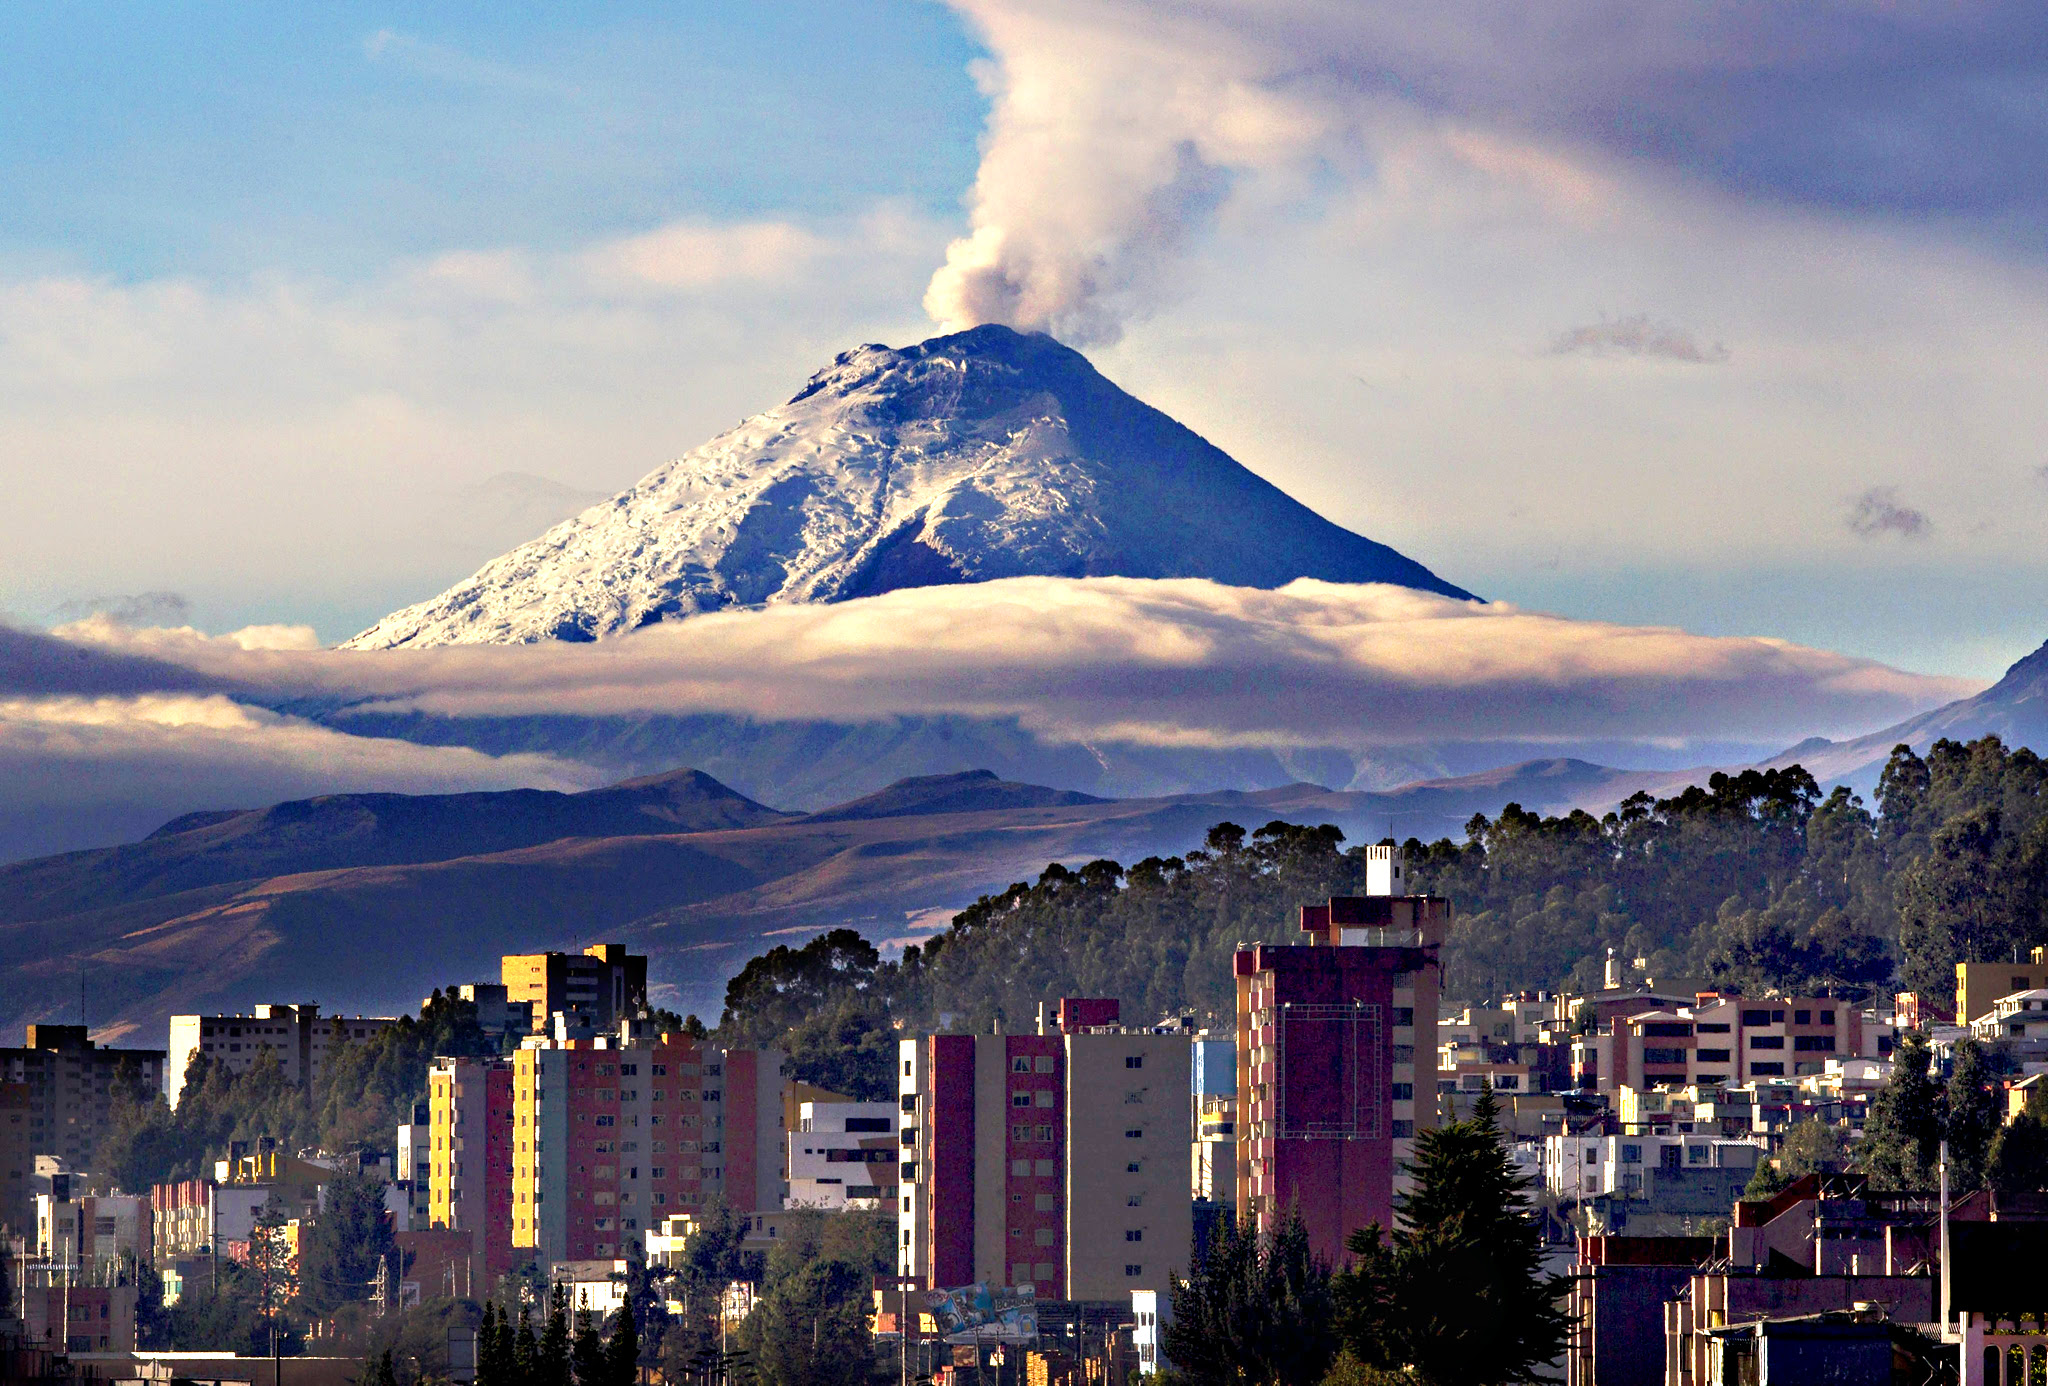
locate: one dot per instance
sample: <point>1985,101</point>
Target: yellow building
<point>1980,984</point>
<point>598,987</point>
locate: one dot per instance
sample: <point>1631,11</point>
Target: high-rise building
<point>609,1136</point>
<point>71,1085</point>
<point>598,987</point>
<point>297,1036</point>
<point>470,1158</point>
<point>1058,1160</point>
<point>415,1160</point>
<point>1336,1057</point>
<point>17,1161</point>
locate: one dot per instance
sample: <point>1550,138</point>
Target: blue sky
<point>225,140</point>
<point>1708,314</point>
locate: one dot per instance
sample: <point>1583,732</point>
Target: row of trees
<point>1755,881</point>
<point>1453,1295</point>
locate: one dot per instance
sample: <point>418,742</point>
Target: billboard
<point>985,1313</point>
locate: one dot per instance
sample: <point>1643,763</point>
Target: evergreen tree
<point>587,1356</point>
<point>622,1350</point>
<point>525,1352</point>
<point>1254,1311</point>
<point>351,1234</point>
<point>554,1340</point>
<point>1457,1296</point>
<point>385,1375</point>
<point>1972,1112</point>
<point>1902,1135</point>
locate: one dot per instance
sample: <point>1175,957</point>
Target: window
<point>1020,1133</point>
<point>1042,1237</point>
<point>906,1068</point>
<point>1020,1098</point>
<point>1134,1234</point>
<point>1020,1169</point>
<point>1802,1017</point>
<point>1404,1015</point>
<point>1134,1061</point>
<point>1631,1154</point>
<point>1044,1096</point>
<point>1043,1203</point>
<point>1045,1062</point>
<point>661,1070</point>
<point>606,1121</point>
<point>1135,1201</point>
<point>1403,1092</point>
<point>1756,1017</point>
<point>1767,1070</point>
<point>629,1070</point>
<point>1042,1168</point>
<point>1403,1130</point>
<point>1131,1270</point>
<point>1814,1044</point>
<point>1706,1028</point>
<point>1135,1133</point>
<point>1766,1041</point>
<point>1020,1064</point>
<point>1131,1168</point>
<point>1663,1056</point>
<point>1711,1056</point>
<point>1667,1030</point>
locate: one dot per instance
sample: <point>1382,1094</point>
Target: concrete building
<point>598,987</point>
<point>71,1083</point>
<point>1619,1287</point>
<point>469,1157</point>
<point>1213,1115</point>
<point>415,1159</point>
<point>1334,1039</point>
<point>610,1136</point>
<point>844,1155</point>
<point>1979,985</point>
<point>297,1036</point>
<point>1724,1039</point>
<point>497,1013</point>
<point>1607,1166</point>
<point>98,1235</point>
<point>17,1161</point>
<point>62,1314</point>
<point>1058,1160</point>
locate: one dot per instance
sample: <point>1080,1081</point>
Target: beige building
<point>598,987</point>
<point>1127,1176</point>
<point>297,1036</point>
<point>1979,985</point>
<point>71,1085</point>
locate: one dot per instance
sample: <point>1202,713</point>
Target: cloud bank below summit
<point>1160,663</point>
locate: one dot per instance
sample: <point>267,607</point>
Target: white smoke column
<point>1114,135</point>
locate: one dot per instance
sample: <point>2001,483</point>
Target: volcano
<point>983,454</point>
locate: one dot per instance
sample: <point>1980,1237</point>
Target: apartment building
<point>1058,1160</point>
<point>1725,1038</point>
<point>17,1160</point>
<point>297,1036</point>
<point>469,1158</point>
<point>1610,1166</point>
<point>598,987</point>
<point>1335,1037</point>
<point>1979,985</point>
<point>844,1155</point>
<point>95,1235</point>
<point>415,1158</point>
<point>1213,1116</point>
<point>608,1138</point>
<point>71,1083</point>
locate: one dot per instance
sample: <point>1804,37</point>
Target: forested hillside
<point>1753,880</point>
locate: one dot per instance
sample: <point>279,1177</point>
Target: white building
<point>844,1155</point>
<point>2022,1015</point>
<point>1601,1166</point>
<point>298,1037</point>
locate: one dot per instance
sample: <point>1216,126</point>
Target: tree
<point>1457,1295</point>
<point>1970,1116</point>
<point>525,1351</point>
<point>2019,1156</point>
<point>1254,1311</point>
<point>1902,1134</point>
<point>554,1365</point>
<point>810,1326</point>
<point>347,1242</point>
<point>622,1350</point>
<point>1809,1147</point>
<point>587,1356</point>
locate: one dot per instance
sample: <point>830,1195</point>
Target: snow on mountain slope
<point>984,454</point>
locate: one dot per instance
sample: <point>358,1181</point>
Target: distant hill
<point>2015,709</point>
<point>366,902</point>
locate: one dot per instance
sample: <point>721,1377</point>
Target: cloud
<point>86,770</point>
<point>141,609</point>
<point>1636,335</point>
<point>1117,125</point>
<point>1878,512</point>
<point>1164,663</point>
<point>32,662</point>
<point>696,254</point>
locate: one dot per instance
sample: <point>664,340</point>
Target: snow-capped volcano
<point>985,454</point>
